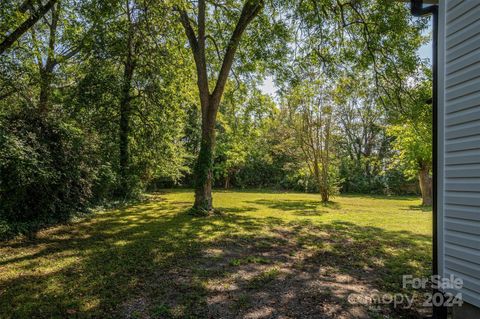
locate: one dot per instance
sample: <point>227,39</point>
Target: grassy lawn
<point>281,255</point>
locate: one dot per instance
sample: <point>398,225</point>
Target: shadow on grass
<point>382,197</point>
<point>298,207</point>
<point>155,261</point>
<point>241,209</point>
<point>426,209</point>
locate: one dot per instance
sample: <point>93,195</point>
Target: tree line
<point>103,100</point>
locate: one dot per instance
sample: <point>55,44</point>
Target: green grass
<point>153,260</point>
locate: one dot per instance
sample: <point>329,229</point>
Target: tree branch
<point>25,26</point>
<point>192,38</point>
<point>250,10</point>
<point>198,50</point>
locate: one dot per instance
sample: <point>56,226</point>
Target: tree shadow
<point>426,209</point>
<point>241,209</point>
<point>297,207</point>
<point>382,197</point>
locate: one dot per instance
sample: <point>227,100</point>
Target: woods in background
<point>103,100</point>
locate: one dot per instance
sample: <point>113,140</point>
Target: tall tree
<point>129,65</point>
<point>311,109</point>
<point>46,68</point>
<point>130,78</point>
<point>210,100</point>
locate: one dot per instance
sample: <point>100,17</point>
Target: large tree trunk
<point>125,107</point>
<point>324,191</point>
<point>323,183</point>
<point>124,131</point>
<point>325,159</point>
<point>204,166</point>
<point>324,194</point>
<point>425,181</point>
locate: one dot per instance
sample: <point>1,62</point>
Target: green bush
<point>47,172</point>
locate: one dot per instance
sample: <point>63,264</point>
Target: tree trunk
<point>321,181</point>
<point>227,181</point>
<point>46,71</point>
<point>204,166</point>
<point>124,132</point>
<point>324,194</point>
<point>425,181</point>
<point>45,85</point>
<point>125,107</point>
<point>324,184</point>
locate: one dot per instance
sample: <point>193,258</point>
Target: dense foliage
<point>49,169</point>
<point>103,100</point>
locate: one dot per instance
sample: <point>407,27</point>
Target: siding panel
<point>459,11</point>
<point>463,239</point>
<point>472,72</point>
<point>462,212</point>
<point>465,103</point>
<point>468,19</point>
<point>468,143</point>
<point>461,267</point>
<point>461,63</point>
<point>463,34</point>
<point>464,116</point>
<point>460,138</point>
<point>465,48</point>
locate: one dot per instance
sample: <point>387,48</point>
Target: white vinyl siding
<point>459,149</point>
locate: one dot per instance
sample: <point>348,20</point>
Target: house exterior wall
<point>459,145</point>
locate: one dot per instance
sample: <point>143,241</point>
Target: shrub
<point>47,171</point>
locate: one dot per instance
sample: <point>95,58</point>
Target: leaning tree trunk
<point>425,181</point>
